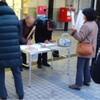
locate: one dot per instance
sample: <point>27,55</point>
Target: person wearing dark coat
<point>10,53</point>
<point>26,26</point>
<point>43,34</point>
<point>95,70</point>
<point>98,42</point>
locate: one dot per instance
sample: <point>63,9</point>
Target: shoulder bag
<point>84,49</point>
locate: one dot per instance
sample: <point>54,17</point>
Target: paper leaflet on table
<point>30,48</point>
<point>33,49</point>
<point>47,44</point>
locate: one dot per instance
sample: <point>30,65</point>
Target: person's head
<point>29,20</point>
<point>89,14</point>
<point>51,25</point>
<point>2,3</point>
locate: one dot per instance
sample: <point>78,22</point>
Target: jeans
<point>83,71</point>
<point>17,80</point>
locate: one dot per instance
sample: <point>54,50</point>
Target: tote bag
<point>84,49</point>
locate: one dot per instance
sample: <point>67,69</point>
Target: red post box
<point>64,15</point>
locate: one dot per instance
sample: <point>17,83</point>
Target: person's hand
<point>52,40</point>
<point>29,42</point>
<point>72,28</point>
<point>46,41</point>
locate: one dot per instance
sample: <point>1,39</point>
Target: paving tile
<point>52,84</point>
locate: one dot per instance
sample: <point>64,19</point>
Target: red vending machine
<point>64,15</point>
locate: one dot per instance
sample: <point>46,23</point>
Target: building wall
<point>84,4</point>
<point>29,7</point>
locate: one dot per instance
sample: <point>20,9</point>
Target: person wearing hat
<point>87,34</point>
<point>43,34</point>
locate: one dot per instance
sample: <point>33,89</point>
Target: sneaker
<point>74,86</point>
<point>47,65</point>
<point>3,98</point>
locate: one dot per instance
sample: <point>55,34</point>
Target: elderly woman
<point>87,34</point>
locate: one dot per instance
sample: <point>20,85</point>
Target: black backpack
<point>95,70</point>
<point>40,18</point>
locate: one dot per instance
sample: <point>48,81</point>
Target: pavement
<point>52,83</point>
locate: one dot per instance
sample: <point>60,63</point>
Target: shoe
<point>39,66</point>
<point>56,56</point>
<point>74,86</point>
<point>55,53</point>
<point>3,98</point>
<point>21,97</point>
<point>87,84</point>
<point>47,65</point>
<point>25,66</point>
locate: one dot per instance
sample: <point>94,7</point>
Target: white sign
<point>79,21</point>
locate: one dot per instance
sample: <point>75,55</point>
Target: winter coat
<point>87,34</point>
<point>41,32</point>
<point>98,36</point>
<point>95,70</point>
<point>10,54</point>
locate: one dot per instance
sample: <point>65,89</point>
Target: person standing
<point>98,42</point>
<point>43,34</point>
<point>10,54</point>
<point>87,34</point>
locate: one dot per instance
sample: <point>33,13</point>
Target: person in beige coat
<point>87,34</point>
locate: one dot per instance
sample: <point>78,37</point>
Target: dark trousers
<point>24,58</point>
<point>42,59</point>
<point>17,80</point>
<point>83,71</point>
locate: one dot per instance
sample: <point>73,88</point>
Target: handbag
<point>84,49</point>
<point>64,41</point>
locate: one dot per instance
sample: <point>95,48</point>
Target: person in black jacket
<point>43,34</point>
<point>10,53</point>
<point>98,41</point>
